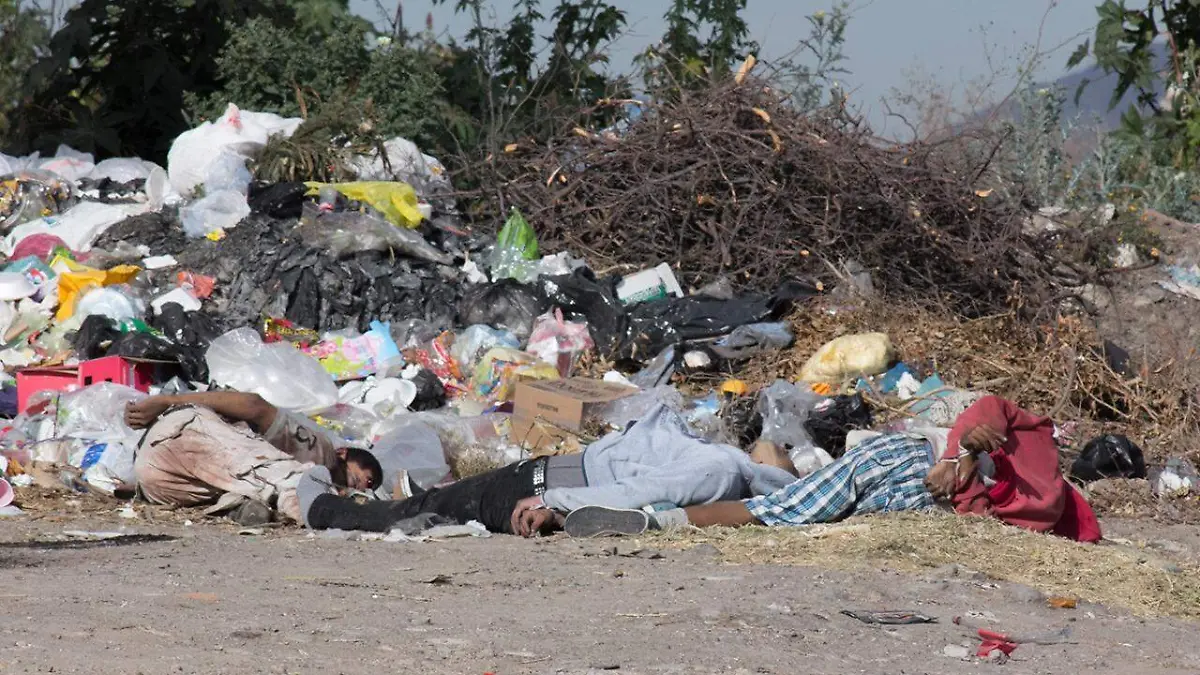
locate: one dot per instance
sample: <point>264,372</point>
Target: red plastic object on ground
<point>136,374</point>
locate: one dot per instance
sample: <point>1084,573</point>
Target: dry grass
<point>1110,574</point>
<point>1059,371</point>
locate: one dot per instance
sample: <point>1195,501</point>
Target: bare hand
<point>942,480</point>
<point>983,438</point>
<point>536,521</point>
<point>142,414</point>
<point>523,506</point>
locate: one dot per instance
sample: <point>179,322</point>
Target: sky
<point>889,43</point>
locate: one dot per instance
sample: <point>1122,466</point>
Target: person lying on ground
<point>234,449</point>
<point>901,472</point>
<point>654,460</point>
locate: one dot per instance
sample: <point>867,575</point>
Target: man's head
<point>357,469</point>
<point>766,452</point>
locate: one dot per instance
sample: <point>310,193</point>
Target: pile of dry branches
<point>732,182</point>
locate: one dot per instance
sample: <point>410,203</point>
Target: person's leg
<point>487,498</point>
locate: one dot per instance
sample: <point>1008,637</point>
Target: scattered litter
<point>893,618</point>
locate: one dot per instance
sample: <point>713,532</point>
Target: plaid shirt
<point>886,473</point>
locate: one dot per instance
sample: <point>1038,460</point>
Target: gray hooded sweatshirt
<point>657,460</point>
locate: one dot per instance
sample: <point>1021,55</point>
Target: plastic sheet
<point>283,376</point>
<point>752,339</point>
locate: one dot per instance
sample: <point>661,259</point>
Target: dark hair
<point>367,461</point>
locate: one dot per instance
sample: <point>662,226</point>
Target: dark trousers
<point>488,498</point>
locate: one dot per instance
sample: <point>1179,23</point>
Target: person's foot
<point>315,482</point>
<point>251,514</point>
<point>601,521</point>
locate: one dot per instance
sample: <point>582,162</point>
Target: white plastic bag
<point>227,172</point>
<point>78,227</point>
<point>218,211</point>
<point>115,303</point>
<point>240,133</point>
<point>413,447</point>
<point>122,170</point>
<point>69,163</point>
<point>108,466</point>
<point>285,377</point>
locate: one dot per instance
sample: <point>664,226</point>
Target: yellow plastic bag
<point>74,284</point>
<point>849,356</point>
<point>396,201</point>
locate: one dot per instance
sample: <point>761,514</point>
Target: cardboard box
<point>546,412</point>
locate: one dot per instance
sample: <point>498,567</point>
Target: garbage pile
<point>368,307</point>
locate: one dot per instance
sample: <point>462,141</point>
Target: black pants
<point>488,498</point>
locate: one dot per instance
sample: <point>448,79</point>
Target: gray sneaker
<point>601,521</point>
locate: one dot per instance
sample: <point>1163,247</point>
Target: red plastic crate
<point>136,374</point>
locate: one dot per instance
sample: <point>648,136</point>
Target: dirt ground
<point>213,601</point>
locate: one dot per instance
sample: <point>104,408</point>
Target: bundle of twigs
<point>732,181</point>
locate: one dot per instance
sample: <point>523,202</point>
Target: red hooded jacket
<point>1030,491</point>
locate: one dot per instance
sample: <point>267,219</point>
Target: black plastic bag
<point>582,296</point>
<point>656,325</point>
<point>506,304</point>
<point>95,337</point>
<point>1109,456</point>
<point>186,329</point>
<point>829,424</point>
<point>431,393</point>
<point>192,365</point>
<point>281,200</point>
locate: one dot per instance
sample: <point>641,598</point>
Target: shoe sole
<point>601,521</point>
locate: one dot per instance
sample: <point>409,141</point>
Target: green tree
<point>1127,43</point>
<point>24,35</point>
<point>703,40</point>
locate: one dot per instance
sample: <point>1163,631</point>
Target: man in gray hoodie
<point>653,461</point>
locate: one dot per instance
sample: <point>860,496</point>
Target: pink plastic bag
<point>559,342</point>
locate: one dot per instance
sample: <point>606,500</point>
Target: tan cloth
<point>192,457</point>
<point>301,439</point>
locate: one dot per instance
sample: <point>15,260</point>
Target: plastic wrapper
<point>415,447</point>
<point>703,418</point>
<point>435,357</point>
<point>215,212</point>
<point>785,408</point>
<point>283,376</point>
<point>516,249</point>
<point>559,342</point>
<point>495,378</point>
<point>346,233</point>
<point>506,304</point>
<point>752,339</point>
<point>30,195</point>
<point>831,420</point>
<point>1177,478</point>
<point>471,344</point>
<point>1109,456</point>
<point>282,330</point>
<point>849,356</point>
<point>42,246</point>
<point>346,358</point>
<point>349,425</point>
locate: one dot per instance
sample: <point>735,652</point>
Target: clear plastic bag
<point>559,342</point>
<point>285,377</point>
<point>348,232</point>
<point>216,211</point>
<point>471,344</point>
<point>785,408</point>
<point>30,195</point>
<point>516,250</point>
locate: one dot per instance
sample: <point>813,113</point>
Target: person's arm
<point>720,514</point>
<point>235,405</point>
<point>697,483</point>
<point>982,428</point>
